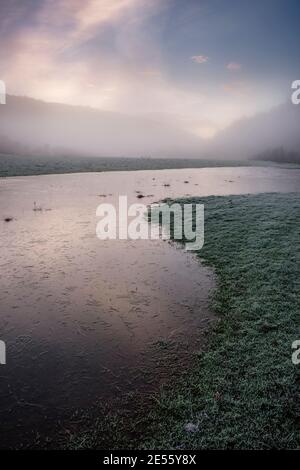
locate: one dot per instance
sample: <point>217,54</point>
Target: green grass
<point>12,165</point>
<point>242,391</point>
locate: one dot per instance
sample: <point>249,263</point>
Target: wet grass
<point>242,391</point>
<point>13,165</point>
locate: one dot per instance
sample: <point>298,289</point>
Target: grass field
<point>242,391</point>
<point>11,165</point>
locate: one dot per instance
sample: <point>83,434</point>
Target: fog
<point>34,126</point>
<point>30,127</point>
<point>278,128</point>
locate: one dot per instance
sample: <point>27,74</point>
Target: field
<point>11,165</point>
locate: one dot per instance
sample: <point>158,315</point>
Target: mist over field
<point>33,127</point>
<point>146,78</point>
<point>264,132</point>
<point>51,128</point>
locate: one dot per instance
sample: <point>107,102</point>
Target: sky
<point>202,63</point>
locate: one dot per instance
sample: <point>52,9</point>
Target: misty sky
<point>204,63</point>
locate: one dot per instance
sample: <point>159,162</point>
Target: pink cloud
<point>199,59</point>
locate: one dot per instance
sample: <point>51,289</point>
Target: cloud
<point>233,66</point>
<point>199,59</point>
<point>111,54</point>
<point>51,56</point>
